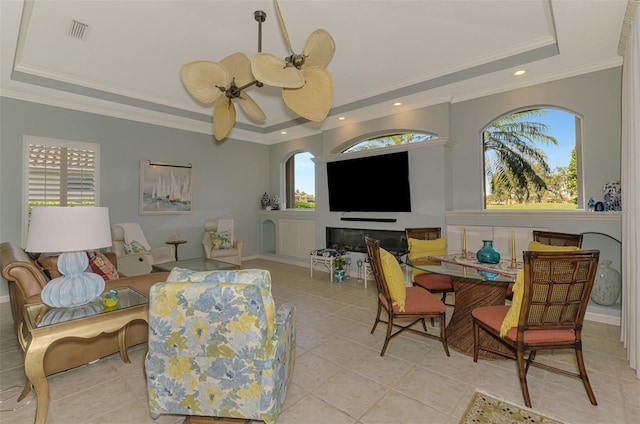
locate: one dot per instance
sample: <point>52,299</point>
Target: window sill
<point>551,215</point>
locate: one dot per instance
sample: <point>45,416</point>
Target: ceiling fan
<point>307,87</point>
<point>220,83</point>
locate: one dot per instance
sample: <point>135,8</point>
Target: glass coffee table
<point>196,264</point>
<point>46,325</point>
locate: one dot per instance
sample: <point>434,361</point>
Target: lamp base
<point>75,287</point>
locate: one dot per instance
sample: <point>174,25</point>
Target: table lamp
<point>71,231</point>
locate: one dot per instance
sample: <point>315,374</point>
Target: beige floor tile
<point>339,375</point>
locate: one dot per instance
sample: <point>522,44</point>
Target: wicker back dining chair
<point>419,304</point>
<point>555,292</point>
<point>557,239</point>
<point>434,283</point>
<point>551,238</point>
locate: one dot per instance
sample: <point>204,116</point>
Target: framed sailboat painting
<point>165,188</point>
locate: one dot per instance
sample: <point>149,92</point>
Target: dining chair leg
<point>443,334</point>
<point>476,340</point>
<point>522,374</point>
<point>388,336</point>
<point>375,324</point>
<point>584,377</point>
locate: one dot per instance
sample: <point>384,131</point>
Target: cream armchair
<point>218,241</point>
<point>135,254</point>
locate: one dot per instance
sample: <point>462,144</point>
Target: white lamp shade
<point>68,229</point>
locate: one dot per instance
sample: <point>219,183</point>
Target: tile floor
<point>339,375</point>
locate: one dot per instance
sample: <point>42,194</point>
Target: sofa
<point>26,279</point>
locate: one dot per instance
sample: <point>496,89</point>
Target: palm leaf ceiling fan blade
<point>224,117</point>
<point>238,66</point>
<point>202,79</point>
<point>313,100</point>
<point>271,70</point>
<point>319,48</point>
<point>251,108</point>
<point>283,28</point>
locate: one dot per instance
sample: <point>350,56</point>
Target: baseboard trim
<point>602,318</point>
<point>4,299</point>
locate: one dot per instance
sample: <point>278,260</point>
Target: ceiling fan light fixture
<point>307,87</point>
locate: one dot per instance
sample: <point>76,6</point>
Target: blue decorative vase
<point>488,254</point>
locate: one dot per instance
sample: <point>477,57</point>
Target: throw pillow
<point>102,266</point>
<point>134,247</point>
<point>395,279</point>
<point>220,240</point>
<point>534,245</point>
<point>513,314</point>
<point>422,248</point>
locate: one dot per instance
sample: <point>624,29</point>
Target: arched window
<point>300,181</point>
<point>390,140</point>
<point>531,160</point>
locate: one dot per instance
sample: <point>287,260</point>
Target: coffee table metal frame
<point>195,264</point>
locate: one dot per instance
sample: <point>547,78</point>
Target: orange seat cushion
<point>418,301</point>
<point>492,316</point>
<point>434,282</point>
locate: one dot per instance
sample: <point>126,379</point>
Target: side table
<point>175,243</point>
<point>47,325</point>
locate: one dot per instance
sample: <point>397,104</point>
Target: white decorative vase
<point>607,286</point>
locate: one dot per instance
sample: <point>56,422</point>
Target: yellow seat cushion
<point>395,279</point>
<point>421,248</point>
<point>534,245</point>
<point>511,319</point>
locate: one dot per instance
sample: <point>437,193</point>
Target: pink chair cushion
<point>492,316</point>
<point>418,301</point>
<point>434,282</point>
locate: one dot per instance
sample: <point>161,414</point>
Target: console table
<point>47,325</point>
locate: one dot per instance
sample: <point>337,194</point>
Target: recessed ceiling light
<point>520,72</point>
<point>283,132</point>
<point>341,118</point>
<point>397,104</point>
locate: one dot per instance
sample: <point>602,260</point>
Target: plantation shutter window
<point>59,173</point>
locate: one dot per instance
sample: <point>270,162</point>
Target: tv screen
<point>371,184</point>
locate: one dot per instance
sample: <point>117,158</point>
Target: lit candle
<point>513,246</point>
<point>464,239</point>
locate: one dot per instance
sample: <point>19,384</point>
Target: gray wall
<point>450,178</point>
<point>228,177</point>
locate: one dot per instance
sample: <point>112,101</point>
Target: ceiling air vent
<point>78,30</point>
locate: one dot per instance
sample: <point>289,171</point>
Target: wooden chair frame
<point>428,233</point>
<point>385,302</point>
<point>557,287</point>
<point>557,239</point>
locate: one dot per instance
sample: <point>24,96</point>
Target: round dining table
<point>475,285</point>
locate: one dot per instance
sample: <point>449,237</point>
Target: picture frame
<point>165,188</point>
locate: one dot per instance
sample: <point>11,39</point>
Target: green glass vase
<point>488,254</point>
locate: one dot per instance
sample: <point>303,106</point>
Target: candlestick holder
<point>464,254</point>
<point>514,263</point>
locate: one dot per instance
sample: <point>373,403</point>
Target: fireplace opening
<point>352,240</point>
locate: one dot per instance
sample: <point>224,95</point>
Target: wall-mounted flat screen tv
<point>370,184</point>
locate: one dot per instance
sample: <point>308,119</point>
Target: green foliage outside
<point>517,170</point>
<point>305,205</point>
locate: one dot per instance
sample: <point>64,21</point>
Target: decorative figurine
<point>276,203</point>
<point>265,201</point>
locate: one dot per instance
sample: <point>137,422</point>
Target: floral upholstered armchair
<point>217,346</point>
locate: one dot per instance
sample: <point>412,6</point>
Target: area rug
<point>486,408</point>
